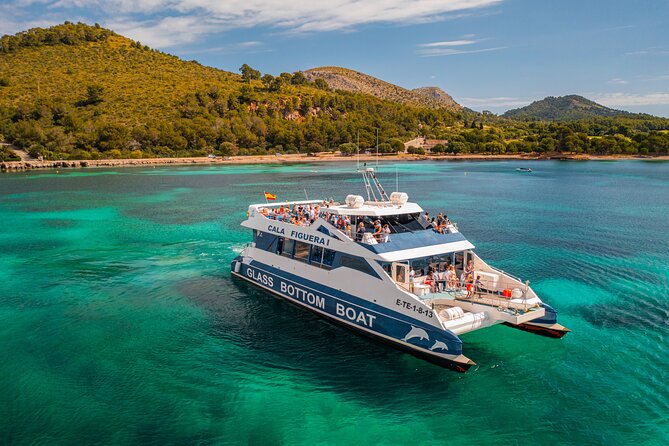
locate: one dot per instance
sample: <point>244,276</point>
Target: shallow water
<point>120,323</point>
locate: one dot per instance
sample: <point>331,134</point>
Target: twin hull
<point>403,331</point>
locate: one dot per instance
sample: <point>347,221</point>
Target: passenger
<point>478,285</point>
<point>349,232</point>
<point>469,281</point>
<point>434,224</point>
<point>470,268</point>
<point>452,278</point>
<point>429,281</point>
<point>442,280</point>
<point>360,232</point>
<point>386,233</point>
<point>412,278</point>
<point>378,231</point>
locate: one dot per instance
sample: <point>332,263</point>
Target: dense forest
<point>75,91</point>
<point>565,108</point>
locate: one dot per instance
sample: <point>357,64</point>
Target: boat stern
<point>547,325</point>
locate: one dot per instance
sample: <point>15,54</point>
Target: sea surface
<point>120,322</point>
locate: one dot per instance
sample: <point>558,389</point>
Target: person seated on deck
<point>429,281</point>
<point>434,224</point>
<point>442,280</point>
<point>452,277</point>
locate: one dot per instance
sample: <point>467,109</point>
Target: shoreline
<point>17,166</point>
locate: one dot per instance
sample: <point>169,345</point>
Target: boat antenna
<point>305,194</point>
<point>397,179</point>
<point>377,149</point>
<point>357,151</point>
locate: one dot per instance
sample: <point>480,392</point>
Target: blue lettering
<point>275,229</point>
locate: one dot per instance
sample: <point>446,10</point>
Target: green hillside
<point>563,108</point>
<point>157,104</point>
<point>75,91</point>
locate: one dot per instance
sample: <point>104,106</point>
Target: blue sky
<point>488,54</point>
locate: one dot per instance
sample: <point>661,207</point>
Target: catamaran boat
<point>411,284</point>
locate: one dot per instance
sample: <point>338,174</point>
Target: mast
<point>377,148</point>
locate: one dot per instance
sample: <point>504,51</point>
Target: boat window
<point>321,257</point>
<point>316,254</point>
<point>265,241</point>
<point>357,264</point>
<point>301,251</point>
<point>328,257</point>
<point>286,247</point>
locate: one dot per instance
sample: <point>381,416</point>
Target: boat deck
<point>510,310</point>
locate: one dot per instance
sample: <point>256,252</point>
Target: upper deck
<point>387,230</point>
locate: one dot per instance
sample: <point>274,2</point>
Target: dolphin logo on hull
<point>439,345</point>
<point>416,333</point>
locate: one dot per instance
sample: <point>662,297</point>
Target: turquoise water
<point>120,323</point>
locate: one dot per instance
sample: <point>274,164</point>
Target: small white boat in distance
<point>384,268</point>
<point>523,169</point>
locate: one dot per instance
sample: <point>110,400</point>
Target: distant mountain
<point>438,95</point>
<point>349,80</point>
<point>563,108</point>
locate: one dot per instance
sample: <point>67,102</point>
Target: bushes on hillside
<point>65,34</point>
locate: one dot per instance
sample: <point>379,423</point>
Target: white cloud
<point>165,32</point>
<point>650,51</point>
<point>618,81</point>
<point>437,52</point>
<point>626,99</point>
<point>183,21</point>
<point>664,77</point>
<point>248,47</point>
<point>499,101</point>
<point>448,43</point>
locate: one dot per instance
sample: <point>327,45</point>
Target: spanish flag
<point>269,196</point>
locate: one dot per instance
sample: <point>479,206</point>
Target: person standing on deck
<point>360,232</point>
